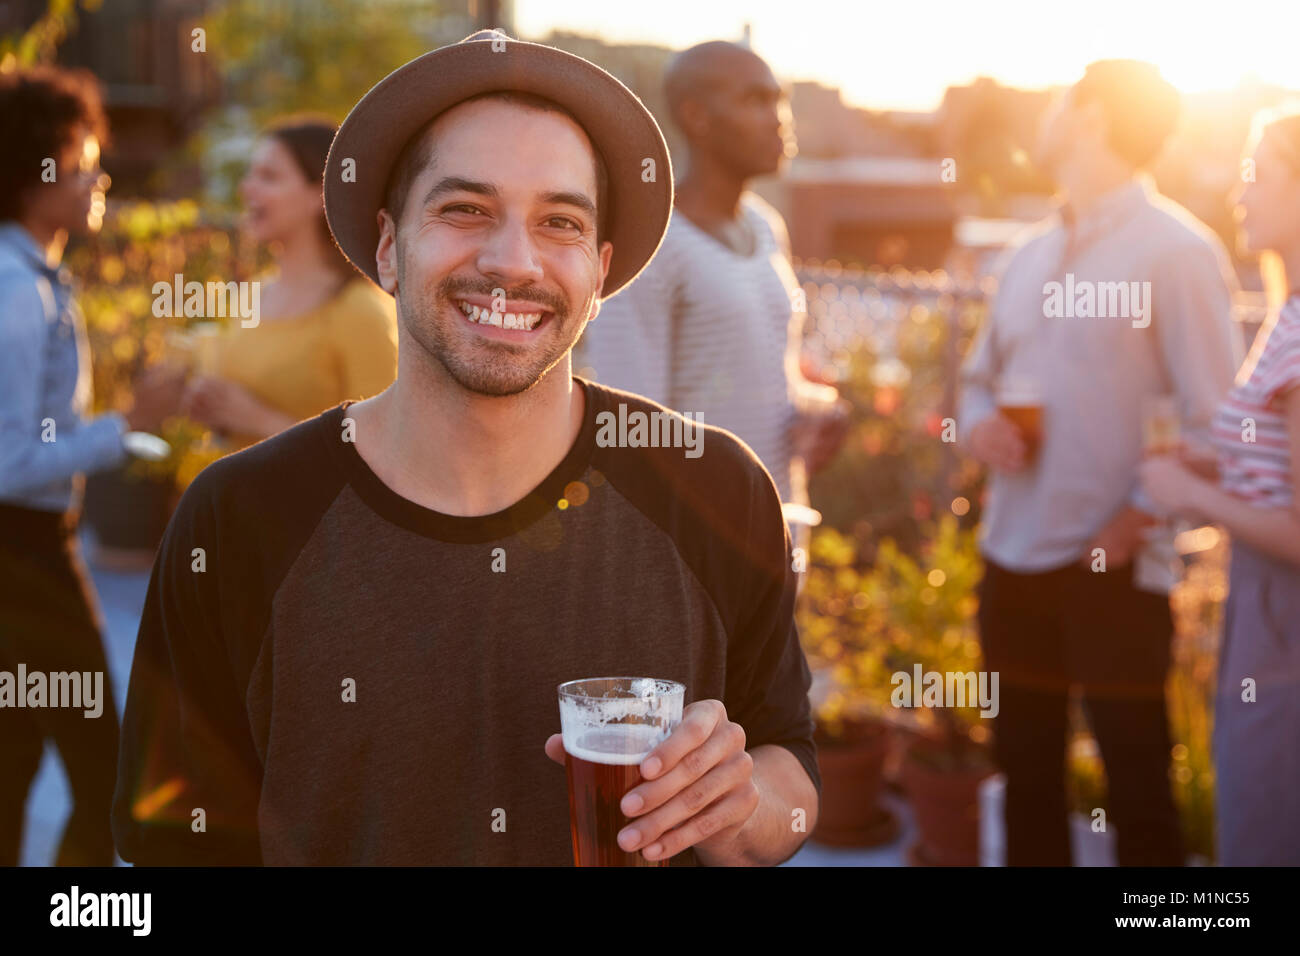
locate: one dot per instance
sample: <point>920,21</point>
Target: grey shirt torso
<point>1097,374</point>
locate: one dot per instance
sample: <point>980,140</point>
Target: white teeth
<point>522,321</point>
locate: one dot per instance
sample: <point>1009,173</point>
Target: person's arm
<point>1275,531</point>
<point>979,373</point>
<point>1200,347</point>
<point>982,368</point>
<point>767,694</point>
<point>26,460</point>
<point>982,432</point>
<point>819,418</point>
<point>189,777</point>
<point>629,345</point>
<point>738,780</point>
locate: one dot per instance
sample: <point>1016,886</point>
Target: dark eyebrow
<point>577,200</point>
<point>451,184</point>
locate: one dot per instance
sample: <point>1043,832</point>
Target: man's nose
<point>509,252</point>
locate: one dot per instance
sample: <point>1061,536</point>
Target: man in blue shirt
<point>52,123</point>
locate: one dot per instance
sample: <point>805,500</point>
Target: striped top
<point>1255,463</point>
<point>706,330</point>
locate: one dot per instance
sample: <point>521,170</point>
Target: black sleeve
<point>186,742</point>
<point>767,674</point>
<point>723,513</point>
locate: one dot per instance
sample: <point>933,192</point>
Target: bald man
<point>709,326</point>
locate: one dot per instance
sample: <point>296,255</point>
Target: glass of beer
<point>1161,431</point>
<point>1021,401</point>
<point>609,725</point>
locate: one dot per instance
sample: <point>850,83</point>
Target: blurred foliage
<point>40,42</point>
<point>869,622</point>
<point>894,473</point>
<point>284,57</point>
<point>142,243</point>
<point>280,58</point>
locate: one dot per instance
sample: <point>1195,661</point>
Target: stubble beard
<point>495,369</point>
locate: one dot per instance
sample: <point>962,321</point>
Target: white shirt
<point>706,330</point>
<point>1097,374</point>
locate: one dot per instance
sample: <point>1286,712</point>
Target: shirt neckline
<point>1114,204</point>
<point>28,247</point>
<point>414,517</point>
<point>749,216</point>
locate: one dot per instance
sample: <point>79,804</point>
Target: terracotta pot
<point>852,769</point>
<point>945,804</point>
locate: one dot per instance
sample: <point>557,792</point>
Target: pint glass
<point>1161,431</point>
<point>1021,400</point>
<point>609,725</point>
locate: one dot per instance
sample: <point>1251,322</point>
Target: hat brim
<point>405,101</point>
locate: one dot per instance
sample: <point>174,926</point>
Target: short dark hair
<point>1141,106</point>
<point>415,156</point>
<point>39,109</point>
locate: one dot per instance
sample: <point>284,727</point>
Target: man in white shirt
<point>1119,303</point>
<point>710,326</point>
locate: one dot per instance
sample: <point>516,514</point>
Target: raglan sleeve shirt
<point>198,732</point>
<point>1191,288</point>
<point>188,774</point>
<point>767,674</point>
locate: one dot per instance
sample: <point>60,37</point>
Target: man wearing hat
<point>354,630</point>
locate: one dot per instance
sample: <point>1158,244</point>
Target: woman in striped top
<point>1256,497</point>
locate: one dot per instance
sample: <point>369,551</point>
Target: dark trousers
<point>1043,633</point>
<point>49,622</point>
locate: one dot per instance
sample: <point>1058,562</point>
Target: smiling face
<point>495,264</point>
<point>1268,207</point>
<point>278,199</point>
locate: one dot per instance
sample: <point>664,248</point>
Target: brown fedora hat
<point>405,101</point>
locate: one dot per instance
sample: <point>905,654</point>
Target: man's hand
<point>1121,537</point>
<point>817,438</point>
<point>227,407</point>
<point>698,787</point>
<point>1200,458</point>
<point>155,395</point>
<point>1170,482</point>
<point>997,442</point>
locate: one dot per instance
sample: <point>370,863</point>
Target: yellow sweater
<point>304,364</point>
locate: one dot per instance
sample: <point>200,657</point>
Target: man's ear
<point>386,252</point>
<point>606,254</point>
<point>692,118</point>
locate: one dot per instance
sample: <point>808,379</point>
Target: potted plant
<point>931,607</point>
<point>840,628</point>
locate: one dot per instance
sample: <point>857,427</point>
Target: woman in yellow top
<point>325,332</point>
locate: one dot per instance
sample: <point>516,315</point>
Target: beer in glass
<point>1021,401</point>
<point>1161,431</point>
<point>609,725</point>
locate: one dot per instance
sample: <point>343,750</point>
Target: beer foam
<point>616,744</point>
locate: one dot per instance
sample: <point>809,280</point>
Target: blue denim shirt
<point>46,443</point>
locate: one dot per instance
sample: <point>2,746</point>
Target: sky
<point>903,54</point>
